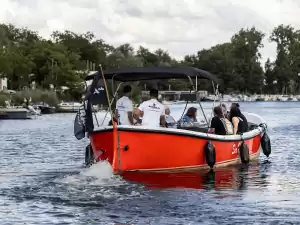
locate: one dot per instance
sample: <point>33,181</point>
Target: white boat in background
<point>230,98</point>
<point>164,102</point>
<point>69,106</point>
<point>245,98</point>
<point>283,98</point>
<point>260,98</point>
<point>16,113</point>
<point>178,102</point>
<point>33,111</point>
<point>211,98</point>
<point>292,98</point>
<point>226,98</point>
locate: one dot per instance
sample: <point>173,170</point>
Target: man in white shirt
<point>152,111</point>
<point>124,108</point>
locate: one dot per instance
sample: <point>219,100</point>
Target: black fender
<point>210,154</point>
<point>244,153</point>
<point>89,156</point>
<point>79,127</point>
<point>266,144</point>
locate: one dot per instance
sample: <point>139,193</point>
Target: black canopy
<point>155,73</point>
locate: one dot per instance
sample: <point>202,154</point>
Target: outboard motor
<point>210,154</point>
<point>266,144</point>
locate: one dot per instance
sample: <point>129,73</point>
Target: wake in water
<point>99,174</point>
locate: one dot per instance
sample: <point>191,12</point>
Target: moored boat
<point>148,149</point>
<point>45,108</point>
<point>13,113</point>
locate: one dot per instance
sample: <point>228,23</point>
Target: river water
<point>43,180</point>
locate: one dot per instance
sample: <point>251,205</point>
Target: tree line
<point>59,61</point>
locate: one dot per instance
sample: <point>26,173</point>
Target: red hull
<point>155,151</point>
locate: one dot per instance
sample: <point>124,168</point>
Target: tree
<point>62,60</point>
<point>287,62</point>
<point>245,49</point>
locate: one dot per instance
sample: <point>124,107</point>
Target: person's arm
<point>235,122</point>
<point>130,112</point>
<point>140,110</point>
<point>116,116</point>
<point>163,118</point>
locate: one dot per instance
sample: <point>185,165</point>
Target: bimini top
<point>154,73</point>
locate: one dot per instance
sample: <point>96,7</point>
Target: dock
<point>15,114</point>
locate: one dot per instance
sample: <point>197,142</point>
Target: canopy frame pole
<point>199,103</point>
<point>107,95</point>
<point>114,97</point>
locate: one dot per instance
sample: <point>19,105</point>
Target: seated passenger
<point>152,111</point>
<point>242,115</point>
<point>136,118</point>
<point>224,111</point>
<point>220,124</point>
<point>170,121</point>
<point>190,116</point>
<point>239,125</point>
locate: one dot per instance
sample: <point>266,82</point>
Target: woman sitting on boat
<point>224,111</point>
<point>239,125</point>
<point>190,116</point>
<point>220,124</point>
<point>242,115</point>
<point>170,121</point>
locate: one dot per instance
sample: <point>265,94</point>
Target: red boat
<point>145,149</point>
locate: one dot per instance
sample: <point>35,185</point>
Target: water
<point>43,180</point>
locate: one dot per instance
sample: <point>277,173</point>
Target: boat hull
<point>162,150</point>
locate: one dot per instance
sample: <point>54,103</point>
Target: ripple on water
<point>43,181</point>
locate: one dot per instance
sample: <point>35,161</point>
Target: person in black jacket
<point>240,126</point>
<point>220,124</point>
<point>241,115</point>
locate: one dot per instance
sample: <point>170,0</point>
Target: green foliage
<point>36,96</point>
<point>3,99</point>
<point>67,56</point>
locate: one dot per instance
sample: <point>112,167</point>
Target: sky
<point>180,26</point>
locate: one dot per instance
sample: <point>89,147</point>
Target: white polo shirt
<point>152,109</point>
<point>124,105</point>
